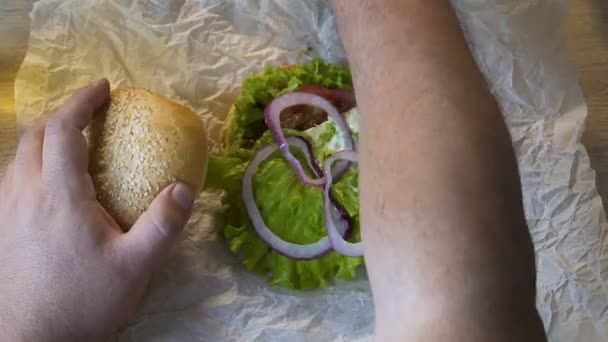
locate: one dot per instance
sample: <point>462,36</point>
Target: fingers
<point>157,228</point>
<point>28,157</point>
<point>64,152</point>
<point>78,110</point>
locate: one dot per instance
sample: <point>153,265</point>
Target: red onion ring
<point>288,249</point>
<point>272,116</point>
<point>338,243</point>
<point>312,164</point>
<point>305,145</point>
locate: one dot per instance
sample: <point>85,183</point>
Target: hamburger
<point>289,175</point>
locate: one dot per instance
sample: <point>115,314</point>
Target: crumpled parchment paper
<point>199,52</point>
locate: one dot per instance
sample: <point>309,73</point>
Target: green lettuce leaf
<point>290,209</point>
<point>258,91</point>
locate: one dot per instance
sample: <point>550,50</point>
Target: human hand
<point>68,272</point>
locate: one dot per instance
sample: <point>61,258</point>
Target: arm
<point>448,251</point>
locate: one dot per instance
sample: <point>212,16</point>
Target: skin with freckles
<point>68,272</point>
<point>447,249</point>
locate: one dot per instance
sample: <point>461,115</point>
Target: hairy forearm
<point>447,247</point>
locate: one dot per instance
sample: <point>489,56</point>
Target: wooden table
<point>586,32</point>
<point>585,29</point>
<point>14,32</point>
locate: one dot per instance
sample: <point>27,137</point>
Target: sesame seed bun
<point>139,144</point>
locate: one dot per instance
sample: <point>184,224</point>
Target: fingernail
<point>182,194</point>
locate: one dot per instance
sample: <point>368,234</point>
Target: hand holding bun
<point>139,144</point>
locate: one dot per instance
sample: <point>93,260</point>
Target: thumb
<point>157,228</point>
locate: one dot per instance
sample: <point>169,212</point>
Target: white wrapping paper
<point>199,52</point>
